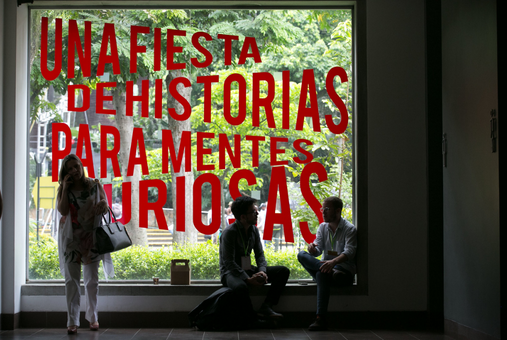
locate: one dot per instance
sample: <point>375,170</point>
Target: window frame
<point>360,132</point>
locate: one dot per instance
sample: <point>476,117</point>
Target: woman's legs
<point>91,283</point>
<point>72,292</point>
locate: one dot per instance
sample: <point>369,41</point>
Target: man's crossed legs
<point>339,277</point>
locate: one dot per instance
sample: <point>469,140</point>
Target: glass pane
<point>238,92</point>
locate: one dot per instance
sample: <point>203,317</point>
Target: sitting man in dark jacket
<point>236,271</point>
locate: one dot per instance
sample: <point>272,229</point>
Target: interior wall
<point>397,162</point>
<point>1,126</point>
<point>471,187</point>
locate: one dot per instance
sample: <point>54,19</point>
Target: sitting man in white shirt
<point>336,240</point>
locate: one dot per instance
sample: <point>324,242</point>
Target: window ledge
<point>164,288</point>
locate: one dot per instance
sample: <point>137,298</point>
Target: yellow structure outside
<point>48,190</point>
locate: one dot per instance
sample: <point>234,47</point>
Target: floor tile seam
<point>64,335</point>
<point>40,330</point>
<point>133,336</point>
<point>343,335</point>
<point>31,333</point>
<point>171,332</point>
<point>104,331</point>
<point>308,335</point>
<point>378,336</point>
<point>413,336</point>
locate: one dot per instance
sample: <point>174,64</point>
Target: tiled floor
<point>187,333</point>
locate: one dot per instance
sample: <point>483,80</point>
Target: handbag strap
<point>75,199</point>
<point>108,207</point>
<point>111,213</point>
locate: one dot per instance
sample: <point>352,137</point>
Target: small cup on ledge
<point>155,280</point>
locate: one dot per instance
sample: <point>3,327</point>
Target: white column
<point>14,159</point>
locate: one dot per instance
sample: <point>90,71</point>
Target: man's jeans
<point>324,280</point>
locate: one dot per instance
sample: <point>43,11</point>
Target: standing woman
<point>81,203</point>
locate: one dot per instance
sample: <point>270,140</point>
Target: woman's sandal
<point>94,326</point>
<point>72,329</point>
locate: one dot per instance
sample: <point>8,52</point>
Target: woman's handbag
<point>111,236</point>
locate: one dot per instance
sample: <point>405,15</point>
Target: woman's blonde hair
<point>63,169</point>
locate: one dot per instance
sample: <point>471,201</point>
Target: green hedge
<point>43,259</point>
<point>143,263</point>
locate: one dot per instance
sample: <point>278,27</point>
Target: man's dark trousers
<point>277,276</point>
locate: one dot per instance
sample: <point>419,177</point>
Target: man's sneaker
<point>319,324</point>
<point>267,312</point>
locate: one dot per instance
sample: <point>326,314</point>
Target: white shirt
<point>344,242</point>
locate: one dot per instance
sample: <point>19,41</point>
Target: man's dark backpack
<point>219,312</point>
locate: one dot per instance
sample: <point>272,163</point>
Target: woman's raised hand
<point>100,208</point>
<point>67,182</point>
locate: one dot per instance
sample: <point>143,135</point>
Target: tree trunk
<point>222,197</point>
<point>222,206</point>
<point>343,147</point>
<point>177,127</point>
<point>125,126</point>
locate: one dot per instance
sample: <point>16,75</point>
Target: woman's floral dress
<point>81,249</point>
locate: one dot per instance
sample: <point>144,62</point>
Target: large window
<point>266,94</point>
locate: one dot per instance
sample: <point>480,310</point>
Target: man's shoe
<point>267,312</point>
<point>319,324</point>
<point>94,326</point>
